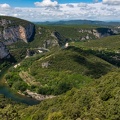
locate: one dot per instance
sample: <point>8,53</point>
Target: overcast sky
<point>54,10</point>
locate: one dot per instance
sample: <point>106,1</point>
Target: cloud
<point>5,6</point>
<point>70,5</point>
<point>46,3</point>
<point>92,11</point>
<point>111,2</point>
<point>82,4</point>
<point>95,1</point>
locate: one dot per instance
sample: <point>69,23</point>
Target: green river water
<point>8,93</point>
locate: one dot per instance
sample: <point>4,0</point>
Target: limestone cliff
<point>10,34</point>
<point>97,33</point>
<point>3,51</point>
<point>13,30</point>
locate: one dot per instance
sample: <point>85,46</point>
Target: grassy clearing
<point>30,80</point>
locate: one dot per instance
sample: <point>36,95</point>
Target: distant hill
<point>80,22</point>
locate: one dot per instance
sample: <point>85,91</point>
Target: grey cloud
<point>82,4</point>
<point>111,2</point>
<point>70,5</point>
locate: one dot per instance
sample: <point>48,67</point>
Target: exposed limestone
<point>15,66</point>
<point>11,33</point>
<point>87,37</point>
<point>39,97</point>
<point>4,22</point>
<point>45,65</point>
<point>66,45</point>
<point>22,33</point>
<point>96,33</point>
<point>83,38</point>
<point>3,51</point>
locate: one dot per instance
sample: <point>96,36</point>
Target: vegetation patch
<point>28,78</point>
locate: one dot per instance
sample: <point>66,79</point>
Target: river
<point>8,93</point>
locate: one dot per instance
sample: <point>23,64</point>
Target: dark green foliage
<point>111,43</point>
<point>109,56</point>
<point>85,103</point>
<point>71,32</point>
<point>66,69</point>
<point>15,82</point>
<point>9,109</point>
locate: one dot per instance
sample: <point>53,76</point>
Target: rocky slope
<point>13,30</point>
<point>98,33</point>
<point>82,33</point>
<point>3,51</point>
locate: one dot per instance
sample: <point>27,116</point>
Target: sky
<point>55,10</point>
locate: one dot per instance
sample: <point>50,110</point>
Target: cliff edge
<point>13,30</point>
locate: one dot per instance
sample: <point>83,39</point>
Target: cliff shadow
<point>105,31</point>
<point>33,34</point>
<point>94,69</point>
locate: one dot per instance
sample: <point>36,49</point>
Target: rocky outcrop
<point>3,51</point>
<point>97,33</point>
<point>61,39</point>
<point>85,34</point>
<point>39,97</point>
<point>13,30</point>
<point>10,33</point>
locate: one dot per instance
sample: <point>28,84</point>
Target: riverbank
<point>39,97</point>
<point>13,94</point>
<point>30,94</point>
<point>35,96</point>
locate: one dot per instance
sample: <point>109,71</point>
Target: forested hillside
<point>99,100</point>
<point>72,71</point>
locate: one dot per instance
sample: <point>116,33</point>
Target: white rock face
<point>10,34</point>
<point>12,31</point>
<point>95,32</point>
<point>3,51</point>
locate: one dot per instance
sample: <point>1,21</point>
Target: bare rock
<point>3,51</point>
<point>10,33</point>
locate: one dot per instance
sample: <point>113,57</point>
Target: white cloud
<point>93,11</point>
<point>5,6</point>
<point>70,5</point>
<point>82,4</point>
<point>111,2</point>
<point>46,3</point>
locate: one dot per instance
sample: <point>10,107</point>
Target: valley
<point>63,71</point>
